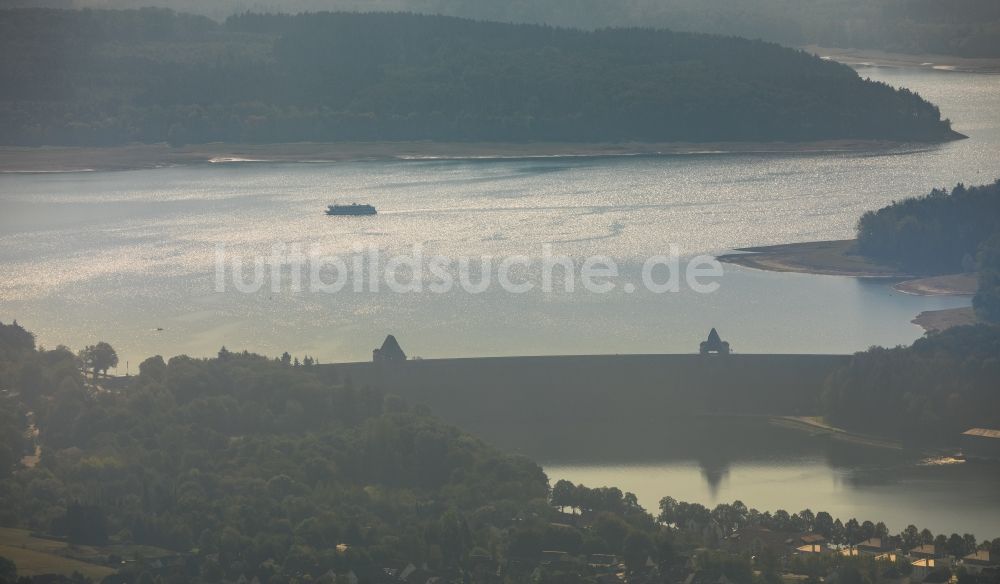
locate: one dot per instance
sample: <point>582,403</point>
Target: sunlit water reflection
<point>118,255</point>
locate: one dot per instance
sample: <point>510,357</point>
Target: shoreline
<point>59,159</point>
<point>838,258</point>
<point>963,284</point>
<point>814,426</point>
<point>872,58</point>
<point>934,321</point>
<point>825,258</point>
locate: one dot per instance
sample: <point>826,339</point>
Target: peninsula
<point>154,76</point>
<point>943,243</point>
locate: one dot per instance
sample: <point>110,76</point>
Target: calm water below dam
<point>130,258</point>
<point>715,460</point>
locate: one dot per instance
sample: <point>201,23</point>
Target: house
<point>924,567</point>
<point>554,557</point>
<point>812,538</point>
<point>602,561</point>
<point>924,551</point>
<point>975,563</point>
<point>812,548</point>
<point>981,443</point>
<point>871,547</point>
<point>390,352</point>
<point>701,577</point>
<point>755,540</point>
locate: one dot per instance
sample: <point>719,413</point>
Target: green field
<point>37,555</point>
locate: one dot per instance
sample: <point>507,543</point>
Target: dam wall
<point>513,401</point>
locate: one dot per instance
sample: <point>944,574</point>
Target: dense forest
<point>959,27</point>
<point>244,468</point>
<point>114,77</point>
<point>269,469</point>
<point>942,232</point>
<point>930,392</point>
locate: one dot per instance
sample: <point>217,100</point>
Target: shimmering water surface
<point>116,256</point>
<point>944,499</point>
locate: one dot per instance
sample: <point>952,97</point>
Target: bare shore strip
<point>840,258</point>
<point>939,320</point>
<point>830,258</point>
<point>862,58</point>
<point>815,426</point>
<point>142,156</point>
<point>947,285</point>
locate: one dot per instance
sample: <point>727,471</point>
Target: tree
<point>563,494</point>
<point>84,524</point>
<point>636,549</point>
<point>823,524</point>
<point>852,532</point>
<point>8,571</point>
<point>668,510</point>
<point>807,517</point>
<point>941,542</point>
<point>14,336</point>
<point>970,543</point>
<point>987,299</point>
<point>99,357</point>
<point>910,537</point>
<point>956,545</point>
<point>154,368</point>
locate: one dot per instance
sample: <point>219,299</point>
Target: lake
<point>130,258</point>
<point>118,255</point>
<point>715,460</point>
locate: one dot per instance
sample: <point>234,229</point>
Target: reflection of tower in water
<point>714,469</point>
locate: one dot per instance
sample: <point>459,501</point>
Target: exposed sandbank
<point>840,258</point>
<point>815,426</point>
<point>140,156</point>
<point>939,320</point>
<point>947,285</point>
<point>832,258</point>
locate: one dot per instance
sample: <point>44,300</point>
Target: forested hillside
<point>958,27</point>
<point>260,466</point>
<point>242,468</point>
<point>929,392</point>
<point>112,77</point>
<point>942,232</point>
